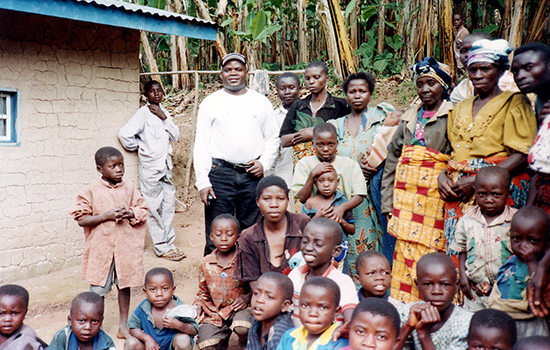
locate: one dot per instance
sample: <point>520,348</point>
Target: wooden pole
<point>192,141</point>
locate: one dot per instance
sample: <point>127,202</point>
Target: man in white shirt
<point>236,141</point>
<point>288,90</point>
<point>150,132</point>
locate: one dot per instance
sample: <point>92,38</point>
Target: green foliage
<point>385,63</point>
<point>305,121</point>
<point>257,27</point>
<point>159,4</point>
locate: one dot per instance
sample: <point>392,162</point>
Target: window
<point>8,117</point>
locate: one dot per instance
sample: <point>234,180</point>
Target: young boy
<point>14,302</point>
<point>374,276</point>
<point>374,325</point>
<point>150,132</point>
<point>323,203</point>
<point>84,329</point>
<point>271,300</point>
<point>482,237</point>
<point>150,326</point>
<point>459,33</point>
<point>529,237</point>
<point>288,90</point>
<point>321,243</point>
<point>435,323</point>
<point>223,300</point>
<point>275,238</point>
<point>113,215</point>
<point>319,304</point>
<point>492,329</point>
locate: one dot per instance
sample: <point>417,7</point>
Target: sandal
<point>174,255</point>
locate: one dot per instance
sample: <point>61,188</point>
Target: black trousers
<point>235,192</point>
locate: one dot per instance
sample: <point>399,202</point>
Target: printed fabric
<point>273,337</point>
<point>296,339</point>
<point>539,154</point>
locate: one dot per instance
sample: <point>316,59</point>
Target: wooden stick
<point>192,140</point>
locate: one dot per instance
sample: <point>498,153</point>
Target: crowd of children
<point>277,284</point>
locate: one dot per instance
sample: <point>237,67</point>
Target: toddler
<point>378,152</point>
<point>435,323</point>
<point>14,302</point>
<point>162,321</point>
<point>482,236</point>
<point>84,330</point>
<point>113,214</point>
<point>529,237</point>
<point>491,329</point>
<point>320,244</point>
<point>374,325</point>
<point>374,276</point>
<point>319,303</point>
<point>222,299</point>
<point>271,300</point>
<point>327,198</point>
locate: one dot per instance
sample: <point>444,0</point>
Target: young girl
<point>269,244</point>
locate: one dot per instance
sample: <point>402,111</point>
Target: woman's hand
<point>444,187</point>
<point>367,170</point>
<point>303,135</point>
<point>464,188</point>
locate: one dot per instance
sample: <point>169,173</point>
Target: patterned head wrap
<point>437,70</point>
<point>492,51</point>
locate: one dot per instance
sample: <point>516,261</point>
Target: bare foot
<point>123,332</point>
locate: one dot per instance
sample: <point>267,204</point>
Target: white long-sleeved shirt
<point>235,128</point>
<point>151,137</point>
<point>283,164</point>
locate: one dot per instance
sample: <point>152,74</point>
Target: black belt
<point>240,167</point>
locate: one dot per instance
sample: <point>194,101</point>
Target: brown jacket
<point>435,136</point>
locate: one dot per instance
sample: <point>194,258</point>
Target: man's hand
<point>320,168</point>
<point>367,170</point>
<point>483,288</point>
<point>240,303</point>
<point>156,110</point>
<point>204,194</point>
<point>257,169</point>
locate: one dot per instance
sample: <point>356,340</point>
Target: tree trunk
<point>446,51</point>
<point>344,48</point>
<point>153,67</point>
<point>354,25</point>
<point>381,26</point>
<point>505,24</point>
<point>181,45</point>
<point>324,16</point>
<point>516,30</point>
<point>205,14</point>
<point>539,20</point>
<point>302,31</point>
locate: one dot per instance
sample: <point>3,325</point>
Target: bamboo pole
<point>192,140</point>
<point>149,56</point>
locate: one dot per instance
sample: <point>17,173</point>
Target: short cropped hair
<point>325,283</point>
<point>532,213</point>
<point>435,258</point>
<point>268,181</point>
<point>334,228</point>
<point>149,85</point>
<point>318,64</point>
<point>104,153</point>
<point>324,127</point>
<point>15,290</point>
<point>88,297</point>
<point>494,172</point>
<point>378,307</point>
<point>535,342</point>
<point>287,75</point>
<point>227,217</point>
<point>286,288</point>
<point>159,271</point>
<point>490,318</point>
<point>368,77</point>
<point>366,255</point>
<point>540,48</point>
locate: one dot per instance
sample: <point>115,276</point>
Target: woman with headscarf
<point>416,156</point>
<point>494,127</point>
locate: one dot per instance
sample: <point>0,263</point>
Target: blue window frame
<point>8,117</point>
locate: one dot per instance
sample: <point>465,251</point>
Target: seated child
<point>320,244</point>
<point>378,152</point>
<point>268,244</point>
<point>535,342</point>
<point>150,326</point>
<point>14,302</point>
<point>374,325</point>
<point>482,236</point>
<point>327,198</point>
<point>529,237</point>
<point>84,330</point>
<point>223,300</point>
<point>319,303</point>
<point>271,300</point>
<point>492,329</point>
<point>113,214</point>
<point>374,276</point>
<point>435,323</point>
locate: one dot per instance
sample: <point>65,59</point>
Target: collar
<point>329,103</point>
<point>304,269</point>
<point>108,184</point>
<point>411,114</point>
<point>258,234</point>
<point>301,333</point>
<point>337,196</point>
<point>147,307</point>
<point>212,258</point>
<point>505,216</point>
<point>98,342</point>
<point>361,296</point>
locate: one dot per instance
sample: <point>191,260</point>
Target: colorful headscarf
<point>492,51</point>
<point>437,70</point>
